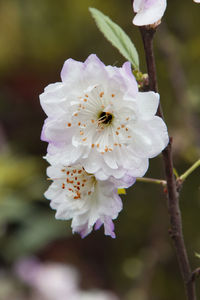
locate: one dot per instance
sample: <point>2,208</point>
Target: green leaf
<point>116,36</point>
<point>175,172</point>
<point>197,255</point>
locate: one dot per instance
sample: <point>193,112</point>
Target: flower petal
<point>148,104</point>
<point>148,11</point>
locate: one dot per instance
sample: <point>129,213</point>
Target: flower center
<point>105,118</point>
<point>78,183</point>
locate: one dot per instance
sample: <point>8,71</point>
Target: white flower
<point>148,11</point>
<point>77,195</point>
<point>96,295</point>
<point>97,117</point>
<point>197,1</point>
<point>50,281</point>
<point>54,281</point>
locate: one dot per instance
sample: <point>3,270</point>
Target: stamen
<point>105,118</point>
<point>101,94</point>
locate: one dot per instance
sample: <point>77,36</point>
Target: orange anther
<point>101,94</point>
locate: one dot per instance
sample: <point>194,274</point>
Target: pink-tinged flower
<point>197,1</point>
<point>49,281</point>
<point>53,281</point>
<point>96,295</point>
<point>79,196</point>
<point>97,117</point>
<point>148,11</point>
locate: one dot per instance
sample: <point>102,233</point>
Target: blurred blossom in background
<point>52,281</point>
<point>36,37</point>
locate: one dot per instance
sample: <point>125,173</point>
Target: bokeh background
<point>36,37</point>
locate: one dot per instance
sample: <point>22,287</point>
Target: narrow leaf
<point>175,172</point>
<point>116,36</point>
<point>197,255</point>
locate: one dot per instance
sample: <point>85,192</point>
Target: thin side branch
<point>151,180</point>
<point>190,170</point>
<point>176,232</point>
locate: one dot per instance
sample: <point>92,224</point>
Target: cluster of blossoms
<point>101,132</point>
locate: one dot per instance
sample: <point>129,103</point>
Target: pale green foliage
<point>116,36</point>
<point>26,222</point>
<point>197,255</point>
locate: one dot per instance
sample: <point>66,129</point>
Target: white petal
<point>110,160</point>
<point>51,99</point>
<point>147,103</point>
<point>150,13</point>
<point>137,5</point>
<point>72,70</point>
<point>92,164</point>
<point>150,137</point>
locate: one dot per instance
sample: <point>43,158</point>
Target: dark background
<point>36,37</point>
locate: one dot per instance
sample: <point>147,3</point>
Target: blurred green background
<point>36,37</point>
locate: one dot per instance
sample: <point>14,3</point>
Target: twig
<point>152,180</point>
<point>190,170</point>
<point>173,195</point>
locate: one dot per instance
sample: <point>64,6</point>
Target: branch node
<point>173,234</point>
<point>195,274</point>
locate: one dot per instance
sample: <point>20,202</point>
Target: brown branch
<point>176,232</point>
<point>195,274</point>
